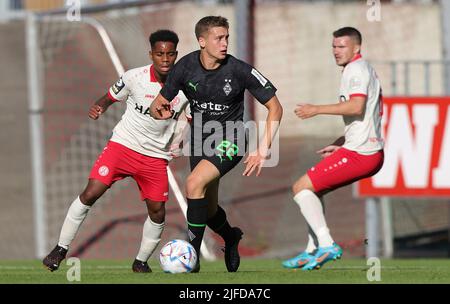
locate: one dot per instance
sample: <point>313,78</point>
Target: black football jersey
<point>216,95</point>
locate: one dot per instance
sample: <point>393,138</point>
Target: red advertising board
<point>416,131</point>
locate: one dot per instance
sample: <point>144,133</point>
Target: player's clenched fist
<point>95,111</point>
<point>160,108</point>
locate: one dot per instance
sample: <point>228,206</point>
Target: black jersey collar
<point>224,61</point>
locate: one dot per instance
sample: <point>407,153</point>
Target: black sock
<point>219,224</point>
<point>197,215</point>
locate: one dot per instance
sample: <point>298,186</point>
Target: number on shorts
<point>227,148</point>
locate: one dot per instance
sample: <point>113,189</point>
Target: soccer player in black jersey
<point>214,82</point>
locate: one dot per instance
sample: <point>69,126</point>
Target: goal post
<point>36,140</point>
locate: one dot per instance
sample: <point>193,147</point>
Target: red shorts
<point>150,173</point>
<point>344,167</point>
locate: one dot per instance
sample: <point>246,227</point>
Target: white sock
<point>74,218</point>
<point>151,236</point>
<point>312,210</point>
<point>312,241</point>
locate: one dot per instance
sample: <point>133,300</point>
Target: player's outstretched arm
<point>354,107</point>
<point>100,106</point>
<point>256,159</point>
<point>160,108</point>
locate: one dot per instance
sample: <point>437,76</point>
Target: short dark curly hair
<point>163,35</point>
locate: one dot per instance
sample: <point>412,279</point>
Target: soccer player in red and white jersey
<point>140,147</point>
<point>356,155</point>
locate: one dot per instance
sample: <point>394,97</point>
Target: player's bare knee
<point>194,186</point>
<point>89,197</point>
<point>157,216</point>
<point>156,211</point>
<point>299,185</point>
<point>296,188</point>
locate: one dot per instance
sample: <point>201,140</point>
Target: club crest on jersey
<point>227,88</point>
<point>103,171</point>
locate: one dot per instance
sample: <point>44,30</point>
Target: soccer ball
<point>177,256</point>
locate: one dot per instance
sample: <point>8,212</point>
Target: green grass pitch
<point>252,271</point>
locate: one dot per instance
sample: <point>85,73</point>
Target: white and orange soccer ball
<point>177,256</point>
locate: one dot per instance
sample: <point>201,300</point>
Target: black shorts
<point>223,154</point>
